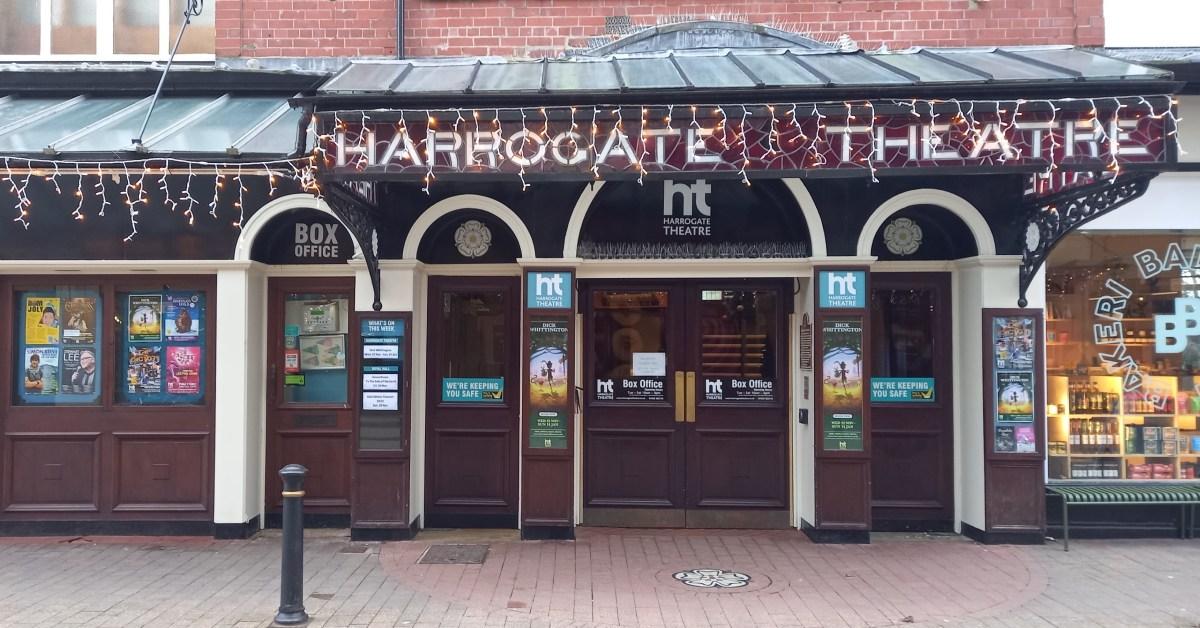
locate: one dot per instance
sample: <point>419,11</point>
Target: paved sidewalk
<point>606,578</point>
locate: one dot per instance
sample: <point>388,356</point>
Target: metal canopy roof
<point>798,69</point>
<point>225,125</point>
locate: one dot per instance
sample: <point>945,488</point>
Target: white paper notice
<point>381,381</point>
<point>649,365</point>
<point>381,401</point>
<point>381,352</point>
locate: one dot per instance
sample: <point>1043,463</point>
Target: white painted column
<point>804,445</point>
<point>979,282</point>
<point>241,382</point>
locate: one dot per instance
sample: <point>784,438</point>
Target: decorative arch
<point>444,207</point>
<point>955,204</point>
<point>808,207</point>
<point>282,205</point>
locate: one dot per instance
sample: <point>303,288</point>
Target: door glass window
<point>737,344</point>
<point>474,346</point>
<point>630,349</point>
<point>905,317</point>
<point>314,348</point>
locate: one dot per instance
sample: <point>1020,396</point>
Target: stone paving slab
<point>604,579</point>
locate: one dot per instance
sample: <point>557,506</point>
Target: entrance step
<point>461,536</point>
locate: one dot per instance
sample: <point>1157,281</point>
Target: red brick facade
<point>534,28</point>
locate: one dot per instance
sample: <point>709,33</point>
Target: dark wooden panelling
<point>160,471</point>
<point>53,472</point>
<point>630,468</point>
<point>480,473</point>
<point>740,469</point>
<point>1013,500</point>
<point>380,491</point>
<point>545,496</point>
<point>326,456</point>
<point>906,470</point>
<point>841,500</point>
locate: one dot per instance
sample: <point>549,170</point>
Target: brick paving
<point>606,578</point>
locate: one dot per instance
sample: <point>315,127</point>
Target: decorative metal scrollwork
<point>355,211</point>
<point>1050,218</point>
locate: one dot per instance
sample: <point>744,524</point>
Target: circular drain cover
<point>712,578</point>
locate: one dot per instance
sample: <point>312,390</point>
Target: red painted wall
<point>534,28</point>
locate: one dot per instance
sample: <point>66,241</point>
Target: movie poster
<point>183,370</point>
<point>183,316</point>
<point>1014,397</point>
<point>842,388</point>
<point>145,370</point>
<point>41,320</point>
<point>41,371</point>
<point>79,370</point>
<point>145,317</point>
<point>79,314</point>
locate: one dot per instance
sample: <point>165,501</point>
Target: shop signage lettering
<point>695,215</point>
<point>383,328</point>
<point>739,389</point>
<point>630,389</point>
<point>902,390</point>
<point>316,240</point>
<point>843,289</point>
<point>548,291</point>
<point>472,389</point>
<point>711,142</point>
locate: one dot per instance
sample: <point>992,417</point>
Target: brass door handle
<point>680,408</point>
<point>691,396</point>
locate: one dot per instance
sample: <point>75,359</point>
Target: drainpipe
<point>399,29</point>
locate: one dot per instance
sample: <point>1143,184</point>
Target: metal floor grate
<point>454,555</point>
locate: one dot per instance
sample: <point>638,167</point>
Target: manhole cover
<point>712,578</point>
<point>454,555</point>
<point>353,548</point>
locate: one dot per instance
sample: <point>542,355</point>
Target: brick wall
<point>533,28</point>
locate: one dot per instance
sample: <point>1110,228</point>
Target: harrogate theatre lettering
<point>1009,136</point>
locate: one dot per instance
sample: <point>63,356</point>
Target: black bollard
<point>291,581</point>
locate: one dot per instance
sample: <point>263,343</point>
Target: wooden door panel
<point>901,456</point>
<point>160,472</point>
<point>53,472</point>
<point>473,468</point>
<point>742,468</point>
<point>632,468</point>
<point>325,456</point>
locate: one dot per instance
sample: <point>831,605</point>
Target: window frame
<point>105,42</point>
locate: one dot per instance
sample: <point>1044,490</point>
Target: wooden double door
<point>685,403</point>
<point>912,440</point>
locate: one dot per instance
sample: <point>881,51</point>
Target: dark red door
<point>912,440</point>
<point>685,404</point>
<point>472,403</point>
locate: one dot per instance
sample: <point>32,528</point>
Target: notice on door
<point>381,349</point>
<point>739,389</point>
<point>649,365</point>
<point>902,390</point>
<point>631,389</point>
<point>842,383</point>
<point>381,401</point>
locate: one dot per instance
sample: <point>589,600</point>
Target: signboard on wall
<point>548,290</point>
<point>843,289</point>
<point>306,236</point>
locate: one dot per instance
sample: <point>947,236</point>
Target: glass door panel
<point>314,336</point>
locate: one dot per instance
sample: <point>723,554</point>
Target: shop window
<point>631,346</point>
<point>315,327</point>
<point>1123,356</point>
<point>737,329</point>
<point>161,339</point>
<point>103,28</point>
<point>58,349</point>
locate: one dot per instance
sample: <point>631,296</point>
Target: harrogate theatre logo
<point>694,217</point>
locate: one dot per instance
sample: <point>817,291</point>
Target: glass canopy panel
<point>117,132</point>
<point>1092,66</point>
<point>278,137</point>
<point>713,71</point>
<point>581,76</point>
<point>365,77</point>
<point>851,69</point>
<point>930,69</point>
<point>649,73</point>
<point>35,137</point>
<point>778,69</point>
<point>436,79</point>
<point>508,77</point>
<point>14,109</point>
<point>1000,67</point>
<point>219,127</point>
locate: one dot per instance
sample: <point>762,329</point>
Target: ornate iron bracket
<point>355,211</point>
<point>1050,218</point>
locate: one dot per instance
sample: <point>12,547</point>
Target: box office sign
<point>304,237</point>
<point>549,404</point>
<point>739,389</point>
<point>846,289</point>
<point>842,383</point>
<point>631,389</point>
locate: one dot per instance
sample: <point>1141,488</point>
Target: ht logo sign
<point>548,290</point>
<point>1172,331</point>
<point>842,289</point>
<point>694,200</point>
